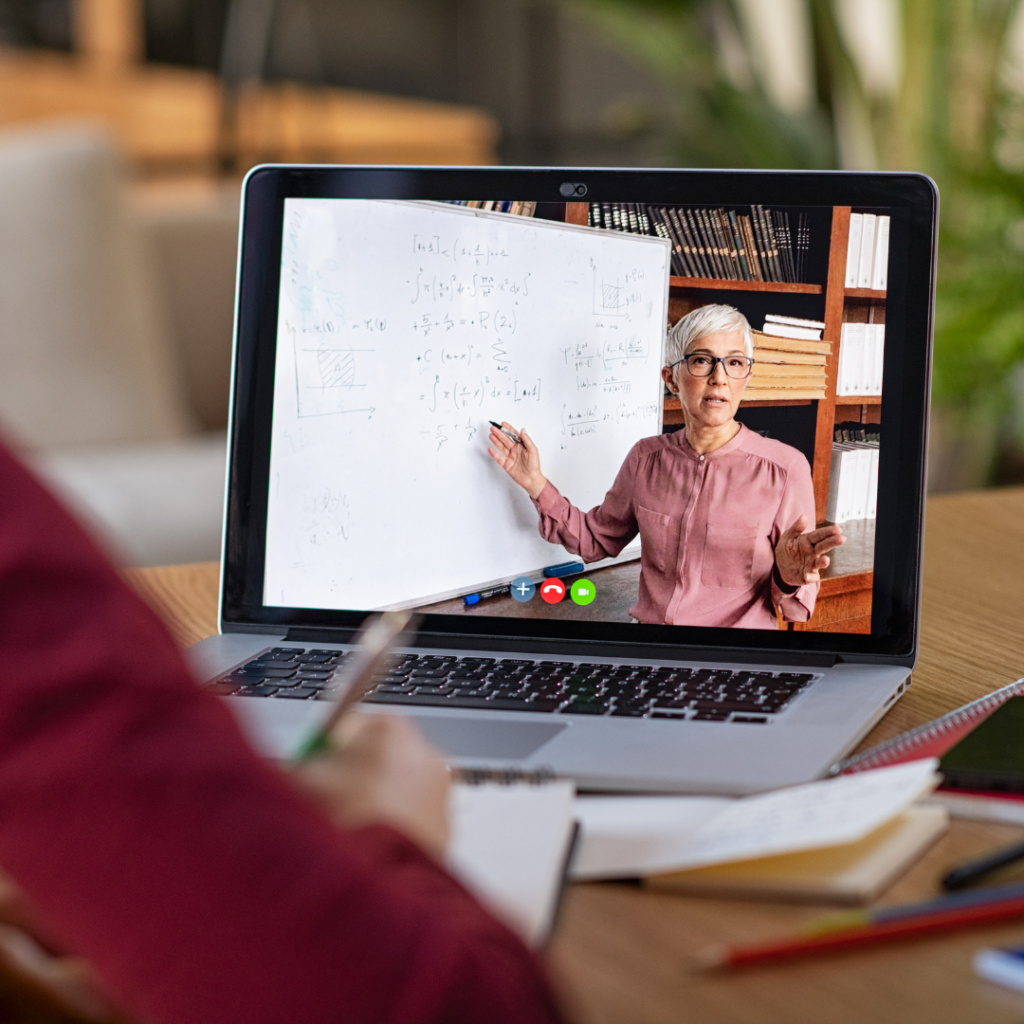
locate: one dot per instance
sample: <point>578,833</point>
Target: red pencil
<point>861,935</point>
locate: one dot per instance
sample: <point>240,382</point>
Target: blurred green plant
<point>952,115</point>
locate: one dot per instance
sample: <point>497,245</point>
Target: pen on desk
<point>472,599</point>
<point>377,638</point>
<point>868,927</point>
<point>974,870</point>
<point>507,433</point>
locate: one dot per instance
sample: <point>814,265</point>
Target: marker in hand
<point>507,433</point>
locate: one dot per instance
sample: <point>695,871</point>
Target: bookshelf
<point>844,599</point>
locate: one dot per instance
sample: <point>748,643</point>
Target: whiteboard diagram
<point>403,328</point>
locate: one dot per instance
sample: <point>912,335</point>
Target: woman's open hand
<point>801,552</point>
<point>520,461</point>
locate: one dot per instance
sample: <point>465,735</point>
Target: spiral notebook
<point>933,738</point>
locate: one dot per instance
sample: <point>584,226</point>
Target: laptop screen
<point>583,415</point>
<point>474,412</point>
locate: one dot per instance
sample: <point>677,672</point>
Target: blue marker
<point>471,599</point>
<point>565,569</point>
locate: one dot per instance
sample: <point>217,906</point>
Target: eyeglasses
<point>702,364</point>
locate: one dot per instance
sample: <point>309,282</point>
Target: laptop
<point>629,625</point>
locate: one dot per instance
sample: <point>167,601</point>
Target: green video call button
<point>583,592</point>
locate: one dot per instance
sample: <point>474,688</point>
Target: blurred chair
<point>115,338</point>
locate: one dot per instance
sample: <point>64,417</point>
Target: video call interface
<point>589,411</point>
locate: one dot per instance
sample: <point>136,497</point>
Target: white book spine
<point>853,249</point>
<point>863,485</point>
<point>879,356</point>
<point>844,335</point>
<point>834,480</point>
<point>873,488</point>
<point>880,271</point>
<point>867,251</point>
<point>868,363</point>
<point>851,358</point>
<point>847,474</point>
<point>789,331</point>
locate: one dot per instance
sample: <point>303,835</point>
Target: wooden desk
<point>620,952</point>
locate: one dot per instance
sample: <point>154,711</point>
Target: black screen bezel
<point>911,199</point>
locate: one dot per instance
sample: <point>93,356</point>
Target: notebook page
<point>629,837</point>
<point>509,844</point>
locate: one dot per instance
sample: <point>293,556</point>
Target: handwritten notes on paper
<point>403,327</point>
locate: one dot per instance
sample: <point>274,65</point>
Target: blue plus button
<point>523,588</point>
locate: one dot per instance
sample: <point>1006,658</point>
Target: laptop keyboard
<point>522,684</point>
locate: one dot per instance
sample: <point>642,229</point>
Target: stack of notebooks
<point>762,245</point>
<point>867,253</point>
<point>861,353</point>
<point>853,481</point>
<point>517,209</point>
<point>789,360</point>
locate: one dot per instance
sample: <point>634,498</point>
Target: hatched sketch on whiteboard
<point>403,328</point>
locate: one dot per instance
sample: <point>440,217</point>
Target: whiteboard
<point>403,327</point>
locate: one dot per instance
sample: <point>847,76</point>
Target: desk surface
<point>621,953</point>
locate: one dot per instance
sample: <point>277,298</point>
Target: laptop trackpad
<point>464,737</point>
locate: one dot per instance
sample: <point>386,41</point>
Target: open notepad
<point>841,838</point>
<point>511,845</point>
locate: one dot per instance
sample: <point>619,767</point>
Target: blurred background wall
<point>192,92</point>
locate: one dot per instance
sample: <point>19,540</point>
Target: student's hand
<point>520,461</point>
<point>801,552</point>
<point>381,770</point>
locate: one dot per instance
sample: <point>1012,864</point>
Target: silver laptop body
<point>755,709</point>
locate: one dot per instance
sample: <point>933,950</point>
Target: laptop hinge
<point>580,648</point>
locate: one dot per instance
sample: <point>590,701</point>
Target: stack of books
<point>853,481</point>
<point>789,360</point>
<point>867,253</point>
<point>517,209</point>
<point>861,354</point>
<point>726,245</point>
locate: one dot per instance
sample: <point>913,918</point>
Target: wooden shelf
<point>864,293</point>
<point>858,400</point>
<point>701,283</point>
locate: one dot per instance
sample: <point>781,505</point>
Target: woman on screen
<point>725,516</point>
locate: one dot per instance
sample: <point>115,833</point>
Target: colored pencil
<point>862,928</point>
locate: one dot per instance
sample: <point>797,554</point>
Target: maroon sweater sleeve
<point>198,882</point>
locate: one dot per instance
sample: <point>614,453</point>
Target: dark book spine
<point>773,243</point>
<point>762,243</point>
<point>740,245</point>
<point>687,256</point>
<point>643,212</point>
<point>662,230</point>
<point>695,221</point>
<point>730,241</point>
<point>634,220</point>
<point>688,226</point>
<point>752,261</point>
<point>721,257</point>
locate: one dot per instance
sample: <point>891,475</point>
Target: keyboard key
<point>584,708</point>
<point>629,712</point>
<point>298,693</point>
<point>433,689</point>
<point>269,671</point>
<point>711,716</point>
<point>256,691</point>
<point>759,719</point>
<point>394,688</point>
<point>475,703</point>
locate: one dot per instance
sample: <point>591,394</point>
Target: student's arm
<point>196,879</point>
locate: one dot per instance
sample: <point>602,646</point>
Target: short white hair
<point>701,322</point>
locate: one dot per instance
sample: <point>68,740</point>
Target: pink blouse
<point>708,526</point>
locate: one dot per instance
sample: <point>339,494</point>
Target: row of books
<point>867,252</point>
<point>861,354</point>
<point>763,245</point>
<point>516,208</point>
<point>853,481</point>
<point>857,432</point>
<point>788,367</point>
